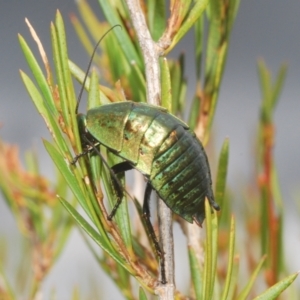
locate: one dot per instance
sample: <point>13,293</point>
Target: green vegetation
<point>83,195</point>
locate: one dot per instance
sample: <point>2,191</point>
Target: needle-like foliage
<point>85,190</point>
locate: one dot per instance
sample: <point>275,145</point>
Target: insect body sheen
<point>162,148</point>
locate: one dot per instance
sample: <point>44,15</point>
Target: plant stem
<point>151,53</point>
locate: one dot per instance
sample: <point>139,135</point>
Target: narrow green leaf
<point>274,291</point>
<point>38,75</point>
<point>191,18</point>
<point>122,36</point>
<point>196,273</point>
<point>219,13</point>
<point>208,263</point>
<point>110,45</point>
<point>142,294</point>
<point>194,112</point>
<point>212,56</point>
<point>123,220</point>
<point>218,73</point>
<point>166,92</point>
<point>246,290</point>
<point>264,79</point>
<point>234,7</point>
<point>90,20</point>
<point>265,238</point>
<point>214,249</point>
<point>94,235</point>
<point>94,162</point>
<point>118,46</point>
<point>58,69</point>
<point>182,96</point>
<point>234,278</point>
<point>183,7</point>
<point>222,173</point>
<point>266,90</point>
<point>199,45</point>
<point>278,199</point>
<point>68,101</point>
<point>97,169</point>
<point>82,35</point>
<point>88,201</point>
<point>111,48</point>
<point>156,14</point>
<point>122,217</point>
<point>138,83</point>
<point>94,96</point>
<point>278,85</point>
<point>230,260</point>
<point>214,9</point>
<point>79,75</point>
<point>280,245</point>
<point>45,113</point>
<point>64,167</point>
<point>176,79</point>
<point>221,17</point>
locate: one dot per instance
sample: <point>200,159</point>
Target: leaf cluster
<point>126,248</point>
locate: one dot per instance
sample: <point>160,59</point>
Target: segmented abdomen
<point>180,174</point>
<point>162,147</point>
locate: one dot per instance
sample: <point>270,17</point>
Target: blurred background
<point>267,29</point>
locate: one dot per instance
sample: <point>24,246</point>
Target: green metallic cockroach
<point>161,147</point>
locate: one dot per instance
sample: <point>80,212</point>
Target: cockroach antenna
<point>90,63</point>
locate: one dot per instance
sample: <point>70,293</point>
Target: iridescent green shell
<point>162,147</point>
